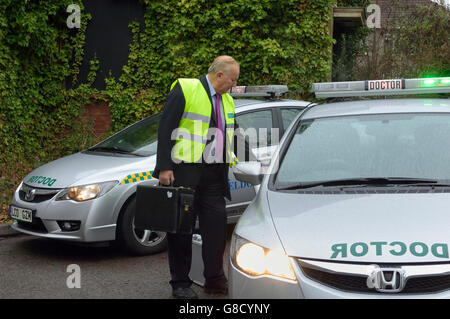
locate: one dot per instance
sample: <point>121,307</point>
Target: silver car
<point>90,196</point>
<point>355,203</point>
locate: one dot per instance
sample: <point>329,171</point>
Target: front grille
<point>358,283</point>
<point>37,198</point>
<point>338,281</point>
<point>427,284</point>
<point>40,194</point>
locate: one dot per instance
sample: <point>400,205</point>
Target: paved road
<point>33,267</point>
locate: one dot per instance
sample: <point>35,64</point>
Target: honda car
<point>90,196</point>
<point>355,202</point>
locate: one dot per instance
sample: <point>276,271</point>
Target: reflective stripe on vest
<point>191,135</point>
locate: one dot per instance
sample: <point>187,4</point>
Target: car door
<point>269,125</point>
<point>287,115</point>
<point>263,122</point>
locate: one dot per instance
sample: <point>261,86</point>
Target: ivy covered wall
<point>275,42</point>
<point>39,119</point>
<point>278,42</point>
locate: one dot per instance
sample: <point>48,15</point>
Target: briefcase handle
<point>171,184</point>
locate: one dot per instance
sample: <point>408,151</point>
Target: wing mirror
<point>249,172</point>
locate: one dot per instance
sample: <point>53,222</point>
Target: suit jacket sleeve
<point>170,120</point>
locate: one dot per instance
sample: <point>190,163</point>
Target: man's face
<point>226,80</point>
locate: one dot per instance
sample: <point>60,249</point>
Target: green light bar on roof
<point>259,90</point>
<point>382,87</point>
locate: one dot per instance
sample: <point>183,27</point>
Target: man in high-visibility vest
<point>190,156</point>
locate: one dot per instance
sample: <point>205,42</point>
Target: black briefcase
<point>164,208</point>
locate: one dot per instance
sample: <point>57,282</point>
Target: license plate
<point>22,214</point>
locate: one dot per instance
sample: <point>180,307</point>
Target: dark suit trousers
<point>209,206</point>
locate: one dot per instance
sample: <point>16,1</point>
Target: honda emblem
<point>385,279</point>
<point>29,195</point>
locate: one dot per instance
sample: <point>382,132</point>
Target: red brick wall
<point>392,9</point>
<point>99,112</point>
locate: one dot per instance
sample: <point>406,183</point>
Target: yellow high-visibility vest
<point>191,135</point>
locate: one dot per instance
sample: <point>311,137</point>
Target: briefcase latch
<point>186,202</point>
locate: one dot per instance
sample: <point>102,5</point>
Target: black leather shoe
<point>184,293</point>
<point>217,288</point>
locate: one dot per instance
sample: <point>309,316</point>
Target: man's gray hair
<point>222,63</point>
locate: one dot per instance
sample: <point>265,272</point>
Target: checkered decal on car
<point>235,161</point>
<point>137,177</point>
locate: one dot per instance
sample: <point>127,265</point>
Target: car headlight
<point>86,192</point>
<point>255,260</point>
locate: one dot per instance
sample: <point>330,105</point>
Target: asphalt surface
<point>39,268</point>
<point>7,231</point>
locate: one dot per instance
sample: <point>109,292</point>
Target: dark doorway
<point>108,37</point>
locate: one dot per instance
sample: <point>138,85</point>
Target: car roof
<point>360,107</point>
<point>251,104</point>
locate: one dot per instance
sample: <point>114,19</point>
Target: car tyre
<point>135,241</point>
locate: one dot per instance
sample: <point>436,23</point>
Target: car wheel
<point>138,241</point>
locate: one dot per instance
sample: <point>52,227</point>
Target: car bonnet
<point>388,228</point>
<point>81,168</point>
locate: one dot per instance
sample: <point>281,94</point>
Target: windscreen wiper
<point>112,149</point>
<point>381,181</point>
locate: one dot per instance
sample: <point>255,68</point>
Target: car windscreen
<point>367,148</point>
<point>140,139</point>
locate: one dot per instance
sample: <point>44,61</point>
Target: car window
<point>368,146</point>
<point>288,115</point>
<point>258,128</point>
<point>139,139</point>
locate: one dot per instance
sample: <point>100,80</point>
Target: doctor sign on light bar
<point>382,87</point>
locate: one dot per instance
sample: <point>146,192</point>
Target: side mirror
<point>249,172</point>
